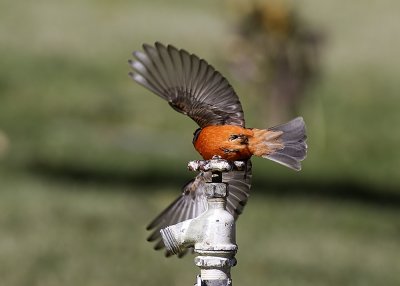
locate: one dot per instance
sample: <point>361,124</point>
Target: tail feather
<point>284,144</point>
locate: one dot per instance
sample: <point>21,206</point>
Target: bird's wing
<point>192,202</point>
<point>189,84</point>
<point>239,183</point>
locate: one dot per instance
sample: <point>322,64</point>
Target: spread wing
<point>189,84</point>
<point>192,202</point>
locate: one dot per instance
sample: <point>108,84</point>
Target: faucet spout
<point>212,231</point>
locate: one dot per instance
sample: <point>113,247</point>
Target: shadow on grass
<point>152,179</point>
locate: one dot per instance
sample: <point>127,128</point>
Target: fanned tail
<point>284,144</point>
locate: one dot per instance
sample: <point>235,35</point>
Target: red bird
<point>193,87</point>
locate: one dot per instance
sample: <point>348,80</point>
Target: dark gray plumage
<point>189,84</point>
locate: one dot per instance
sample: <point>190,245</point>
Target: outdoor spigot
<point>212,234</point>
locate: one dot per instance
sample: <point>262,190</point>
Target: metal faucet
<point>212,234</point>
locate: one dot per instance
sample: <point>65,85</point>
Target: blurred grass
<point>62,233</point>
<point>64,76</point>
<point>93,157</point>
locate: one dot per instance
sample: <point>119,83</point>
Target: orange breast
<point>222,140</point>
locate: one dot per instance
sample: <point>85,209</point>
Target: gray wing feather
<point>191,203</point>
<point>189,84</point>
<point>239,189</point>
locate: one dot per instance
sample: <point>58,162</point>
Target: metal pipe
<point>212,234</point>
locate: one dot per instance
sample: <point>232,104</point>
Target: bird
<point>193,87</point>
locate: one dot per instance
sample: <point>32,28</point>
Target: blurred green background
<point>88,158</point>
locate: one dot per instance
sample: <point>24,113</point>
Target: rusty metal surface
<point>216,190</point>
<point>216,165</point>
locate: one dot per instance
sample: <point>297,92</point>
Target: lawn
<point>59,232</point>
